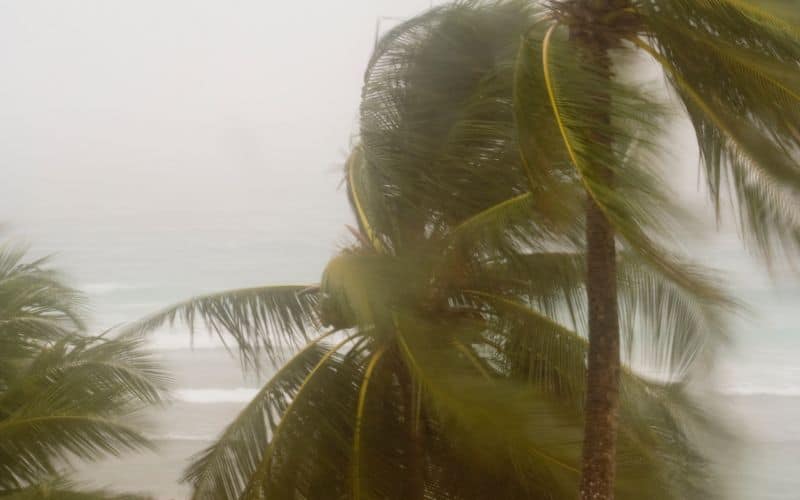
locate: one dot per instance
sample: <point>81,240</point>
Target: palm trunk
<point>602,387</point>
<point>598,467</point>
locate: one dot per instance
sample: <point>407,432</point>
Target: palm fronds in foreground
<point>64,395</point>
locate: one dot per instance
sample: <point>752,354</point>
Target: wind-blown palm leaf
<point>656,415</point>
<point>62,489</point>
<point>227,467</point>
<point>35,305</point>
<point>742,93</point>
<point>544,431</point>
<point>261,320</point>
<point>318,420</point>
<point>365,208</point>
<point>63,395</point>
<point>634,204</point>
<point>437,125</point>
<point>67,403</point>
<point>31,443</point>
<point>511,227</point>
<point>665,323</point>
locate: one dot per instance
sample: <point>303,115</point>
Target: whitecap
<point>755,390</point>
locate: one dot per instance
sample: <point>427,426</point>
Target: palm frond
<point>513,225</point>
<point>31,444</point>
<point>223,469</point>
<point>62,489</point>
<point>255,479</point>
<point>264,320</point>
<point>741,93</point>
<point>538,437</point>
<point>437,123</point>
<point>655,445</point>
<point>364,207</point>
<point>36,306</point>
<point>538,349</point>
<point>362,398</point>
<point>67,402</point>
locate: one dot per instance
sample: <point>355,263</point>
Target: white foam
<point>211,396</point>
<point>761,391</point>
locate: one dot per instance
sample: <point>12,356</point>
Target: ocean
<point>140,264</point>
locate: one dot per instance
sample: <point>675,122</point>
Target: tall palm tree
<point>733,65</point>
<point>575,120</point>
<point>452,365</point>
<point>63,394</point>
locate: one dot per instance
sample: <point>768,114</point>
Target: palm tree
<point>733,66</point>
<point>63,394</point>
<point>451,365</point>
<point>576,122</point>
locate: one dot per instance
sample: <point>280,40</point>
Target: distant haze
<point>170,111</point>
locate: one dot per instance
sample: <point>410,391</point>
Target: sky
<point>153,108</point>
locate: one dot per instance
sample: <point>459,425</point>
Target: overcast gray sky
<point>110,107</point>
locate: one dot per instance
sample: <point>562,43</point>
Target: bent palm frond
<point>742,94</point>
<point>261,319</point>
<point>63,489</point>
<point>67,402</point>
<point>224,469</point>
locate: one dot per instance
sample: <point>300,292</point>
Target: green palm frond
<point>35,305</point>
<point>67,403</point>
<point>617,172</point>
<point>437,126</point>
<point>365,208</point>
<point>227,468</point>
<point>319,419</point>
<point>63,489</point>
<point>538,440</point>
<point>666,323</point>
<point>31,443</point>
<point>511,226</point>
<point>63,395</point>
<point>538,349</point>
<point>742,93</point>
<point>359,421</point>
<point>260,320</point>
<point>655,445</point>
